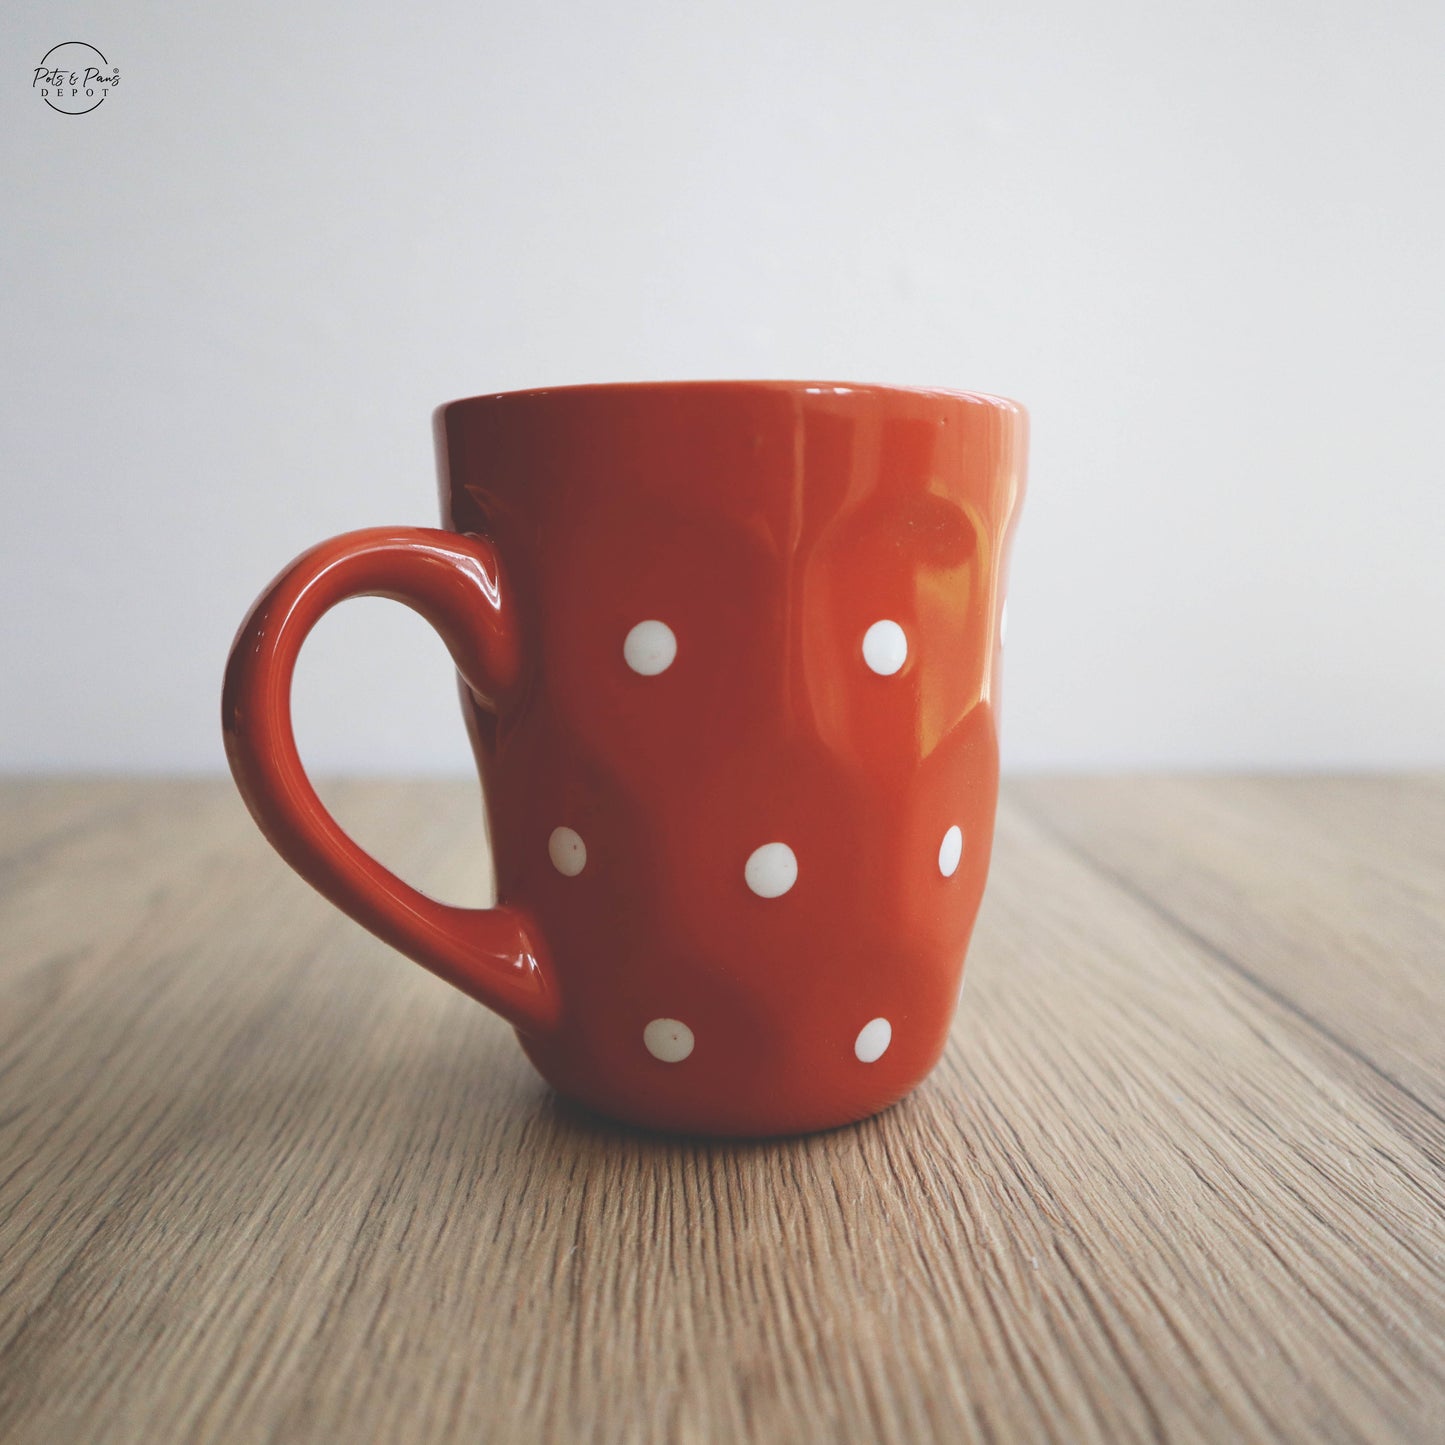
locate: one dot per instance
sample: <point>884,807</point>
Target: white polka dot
<point>885,648</point>
<point>1003,625</point>
<point>771,870</point>
<point>873,1040</point>
<point>950,851</point>
<point>650,648</point>
<point>567,851</point>
<point>668,1039</point>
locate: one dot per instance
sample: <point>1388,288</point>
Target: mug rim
<point>722,385</point>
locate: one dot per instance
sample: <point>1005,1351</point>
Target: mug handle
<point>455,582</point>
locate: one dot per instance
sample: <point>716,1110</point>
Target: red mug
<point>729,656</point>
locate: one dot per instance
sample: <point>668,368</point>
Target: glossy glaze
<point>730,658</point>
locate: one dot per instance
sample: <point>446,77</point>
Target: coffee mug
<point>729,660</point>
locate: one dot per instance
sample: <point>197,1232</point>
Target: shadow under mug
<point>729,661</point>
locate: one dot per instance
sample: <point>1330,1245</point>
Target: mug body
<point>746,783</point>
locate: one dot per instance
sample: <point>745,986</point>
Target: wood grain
<point>1178,1177</point>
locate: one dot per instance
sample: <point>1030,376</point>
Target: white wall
<point>1202,242</point>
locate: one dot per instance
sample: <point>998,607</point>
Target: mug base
<point>666,1125</point>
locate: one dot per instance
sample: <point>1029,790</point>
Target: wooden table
<point>1178,1177</point>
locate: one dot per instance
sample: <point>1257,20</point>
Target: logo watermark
<point>74,78</point>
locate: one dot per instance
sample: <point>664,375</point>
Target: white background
<point>1203,243</point>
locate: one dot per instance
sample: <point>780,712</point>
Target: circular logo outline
<point>85,44</point>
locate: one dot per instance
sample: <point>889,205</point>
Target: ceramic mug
<point>729,655</point>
